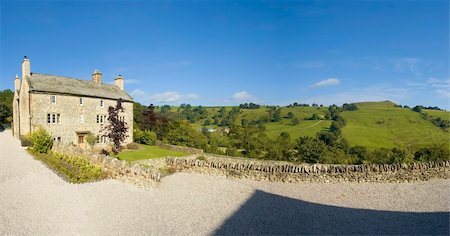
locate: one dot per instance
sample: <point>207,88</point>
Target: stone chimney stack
<point>119,82</point>
<point>97,77</point>
<point>25,67</point>
<point>17,83</point>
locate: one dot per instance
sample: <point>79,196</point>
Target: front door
<point>82,141</point>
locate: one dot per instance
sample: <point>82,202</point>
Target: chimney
<point>97,77</point>
<point>25,67</point>
<point>119,82</point>
<point>17,83</point>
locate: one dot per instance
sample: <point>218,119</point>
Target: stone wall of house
<point>114,167</point>
<point>290,172</point>
<point>24,105</point>
<point>179,148</point>
<point>74,116</point>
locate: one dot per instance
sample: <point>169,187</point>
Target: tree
<point>6,100</point>
<point>117,127</point>
<point>295,121</point>
<point>310,150</point>
<point>418,108</point>
<point>290,115</point>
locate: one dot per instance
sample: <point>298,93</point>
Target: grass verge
<point>72,169</point>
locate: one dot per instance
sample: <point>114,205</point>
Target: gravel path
<point>35,201</point>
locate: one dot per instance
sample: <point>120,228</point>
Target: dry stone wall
<point>289,172</point>
<point>179,148</point>
<point>114,167</point>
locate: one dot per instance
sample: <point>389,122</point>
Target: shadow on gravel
<point>270,214</point>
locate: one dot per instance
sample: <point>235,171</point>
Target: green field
<point>380,124</point>
<point>374,125</point>
<point>273,129</point>
<point>435,113</point>
<point>147,152</point>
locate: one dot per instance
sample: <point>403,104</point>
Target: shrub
<point>42,140</point>
<point>73,169</point>
<point>25,141</point>
<point>132,146</point>
<point>91,139</point>
<point>436,152</point>
<point>144,137</point>
<point>360,152</point>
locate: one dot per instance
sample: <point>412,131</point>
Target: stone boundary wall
<point>114,167</point>
<point>178,148</point>
<point>290,172</point>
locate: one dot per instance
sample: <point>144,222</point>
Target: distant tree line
<point>437,121</point>
<point>249,106</point>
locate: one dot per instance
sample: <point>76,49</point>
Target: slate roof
<point>65,85</point>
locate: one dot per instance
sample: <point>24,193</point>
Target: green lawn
<point>380,124</point>
<point>148,152</point>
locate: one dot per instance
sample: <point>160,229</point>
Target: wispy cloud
<point>242,96</point>
<point>407,64</point>
<point>169,97</point>
<point>441,86</point>
<point>326,82</point>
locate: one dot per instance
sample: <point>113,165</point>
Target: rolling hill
<point>373,125</point>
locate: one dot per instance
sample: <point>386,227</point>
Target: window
<point>58,139</point>
<point>53,99</point>
<point>81,119</point>
<point>102,139</point>
<point>53,118</point>
<point>101,103</point>
<point>101,119</point>
<point>81,102</point>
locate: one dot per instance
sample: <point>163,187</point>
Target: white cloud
<point>168,97</point>
<point>243,96</point>
<point>326,82</point>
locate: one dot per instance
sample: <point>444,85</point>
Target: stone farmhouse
<point>70,109</point>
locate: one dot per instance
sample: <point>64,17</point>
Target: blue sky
<point>225,53</point>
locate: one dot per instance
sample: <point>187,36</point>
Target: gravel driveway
<point>35,201</point>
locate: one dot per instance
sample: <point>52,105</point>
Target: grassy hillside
<point>374,125</point>
<point>379,124</point>
<point>273,129</point>
<point>435,113</point>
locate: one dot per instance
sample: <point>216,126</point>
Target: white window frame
<point>102,103</point>
<point>81,119</point>
<point>81,102</point>
<point>53,118</point>
<point>52,99</point>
